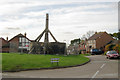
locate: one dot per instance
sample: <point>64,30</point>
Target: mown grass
<point>16,61</point>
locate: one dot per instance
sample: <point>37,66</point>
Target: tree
<point>117,48</point>
<point>116,35</point>
<point>77,41</point>
<point>87,35</point>
<point>109,47</point>
<point>83,37</point>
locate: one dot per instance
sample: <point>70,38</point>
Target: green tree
<point>77,41</point>
<point>119,35</point>
<point>109,47</point>
<point>117,48</point>
<point>116,35</point>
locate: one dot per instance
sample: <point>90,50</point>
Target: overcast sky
<point>68,19</point>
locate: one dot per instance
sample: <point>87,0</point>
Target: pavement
<point>99,67</point>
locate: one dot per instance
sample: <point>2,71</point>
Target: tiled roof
<point>20,35</point>
<point>115,41</point>
<point>3,39</point>
<point>96,35</point>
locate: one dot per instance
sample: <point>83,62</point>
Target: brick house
<point>98,41</point>
<point>19,43</point>
<point>4,45</point>
<point>114,42</point>
<point>82,47</point>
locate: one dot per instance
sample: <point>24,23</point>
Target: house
<point>98,41</point>
<point>19,43</point>
<point>4,45</point>
<point>114,42</point>
<point>82,47</point>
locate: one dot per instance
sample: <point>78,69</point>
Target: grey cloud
<point>13,28</point>
<point>68,33</point>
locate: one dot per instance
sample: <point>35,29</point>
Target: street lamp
<point>65,52</point>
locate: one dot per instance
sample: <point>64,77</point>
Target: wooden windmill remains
<point>47,47</point>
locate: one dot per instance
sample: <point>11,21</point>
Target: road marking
<point>95,74</point>
<point>105,61</point>
<point>102,66</point>
<point>98,71</point>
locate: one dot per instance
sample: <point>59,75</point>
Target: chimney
<point>7,38</point>
<point>25,34</point>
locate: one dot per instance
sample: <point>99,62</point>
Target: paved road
<point>99,67</point>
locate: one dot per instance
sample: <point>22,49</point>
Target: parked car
<point>95,51</point>
<point>112,54</point>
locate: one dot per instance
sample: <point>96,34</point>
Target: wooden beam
<point>53,36</point>
<point>40,36</point>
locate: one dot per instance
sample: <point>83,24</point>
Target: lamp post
<point>65,52</point>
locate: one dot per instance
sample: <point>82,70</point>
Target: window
<point>20,43</point>
<point>23,39</point>
<point>27,40</point>
<point>27,43</point>
<point>23,42</point>
<point>88,41</point>
<point>20,39</point>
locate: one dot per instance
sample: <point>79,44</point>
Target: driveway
<point>99,67</point>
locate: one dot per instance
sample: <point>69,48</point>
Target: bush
<point>105,53</point>
<point>109,47</point>
<point>112,47</point>
<point>116,48</point>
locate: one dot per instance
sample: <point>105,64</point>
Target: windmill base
<point>52,48</point>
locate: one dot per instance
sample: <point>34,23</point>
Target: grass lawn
<point>16,61</point>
